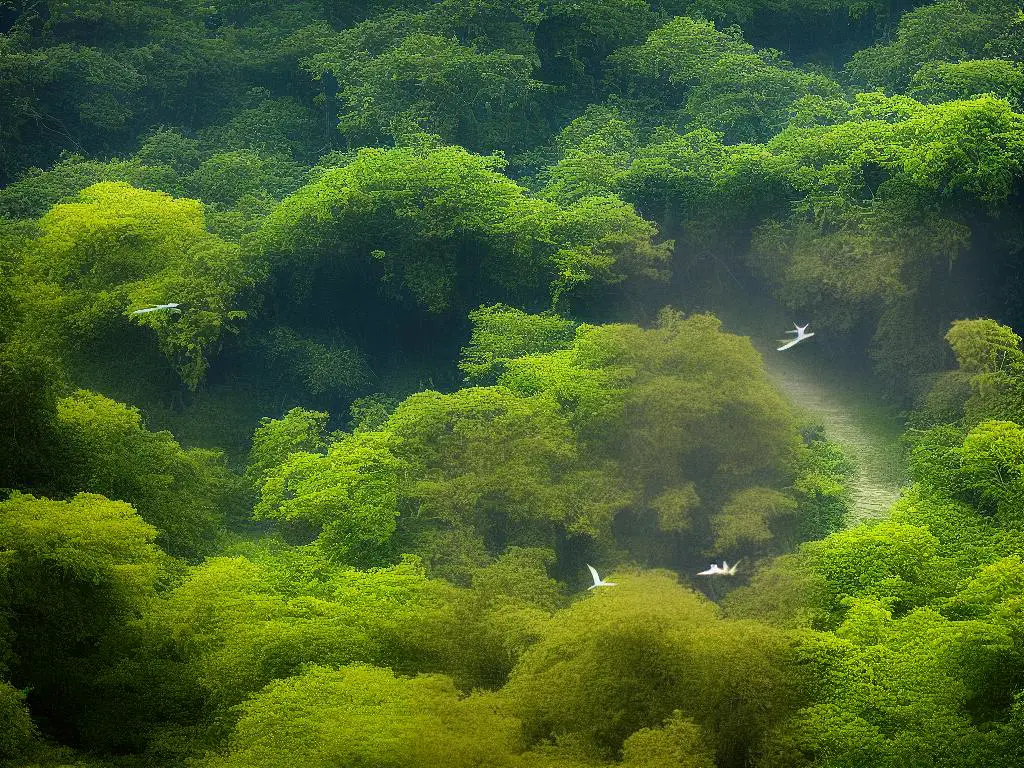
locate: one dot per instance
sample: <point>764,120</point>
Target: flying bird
<point>598,582</point>
<point>157,308</point>
<point>720,570</point>
<point>801,334</point>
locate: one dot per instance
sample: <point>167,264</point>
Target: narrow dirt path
<point>867,432</point>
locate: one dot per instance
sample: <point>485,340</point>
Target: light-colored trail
<point>867,431</point>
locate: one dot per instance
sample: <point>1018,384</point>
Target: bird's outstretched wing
<point>157,308</point>
<point>788,344</point>
<point>593,572</point>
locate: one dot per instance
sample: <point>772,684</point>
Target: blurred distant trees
<point>863,213</point>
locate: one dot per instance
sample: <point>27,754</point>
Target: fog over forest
<point>511,384</point>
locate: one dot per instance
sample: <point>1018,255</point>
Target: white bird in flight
<point>598,582</point>
<point>157,308</point>
<point>720,570</point>
<point>801,334</point>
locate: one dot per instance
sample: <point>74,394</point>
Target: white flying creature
<point>157,308</point>
<point>598,582</point>
<point>720,570</point>
<point>801,334</point>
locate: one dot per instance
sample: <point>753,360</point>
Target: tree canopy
<point>345,345</point>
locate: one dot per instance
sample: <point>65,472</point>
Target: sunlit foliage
<point>103,447</point>
<point>420,221</point>
<point>677,424</point>
<point>118,248</point>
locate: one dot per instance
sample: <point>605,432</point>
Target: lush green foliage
<point>119,248</point>
<point>365,715</point>
<point>73,572</point>
<point>102,447</point>
<point>336,507</point>
<point>924,659</point>
<point>442,226</point>
<point>676,424</point>
<point>722,82</point>
<point>627,659</point>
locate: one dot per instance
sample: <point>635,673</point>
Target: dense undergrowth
<point>429,361</point>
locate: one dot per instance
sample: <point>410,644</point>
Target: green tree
<point>73,571</point>
<point>719,79</point>
<point>227,176</point>
<point>237,623</point>
<point>988,473</point>
<point>822,489</point>
<point>984,346</point>
<point>32,195</point>
<point>628,657</point>
<point>90,76</point>
<point>986,385</point>
<point>966,539</point>
<point>746,517</point>
<point>297,431</point>
<point>893,693</point>
<point>678,743</point>
<point>681,414</point>
<point>593,150</point>
<point>502,333</point>
<point>510,601</point>
<point>500,467</point>
<point>29,382</point>
<point>369,413</point>
<point>103,447</point>
<point>490,24</point>
<point>16,728</point>
<point>279,130</point>
<point>611,664</point>
<point>445,229</point>
<point>367,716</point>
<point>350,494</point>
<point>118,247</point>
<point>939,81</point>
<point>887,561</point>
<point>575,39</point>
<point>947,31</point>
<point>432,83</point>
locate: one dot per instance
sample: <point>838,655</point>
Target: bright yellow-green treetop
<point>117,249</point>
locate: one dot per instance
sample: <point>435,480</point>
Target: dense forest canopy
<point>338,339</point>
